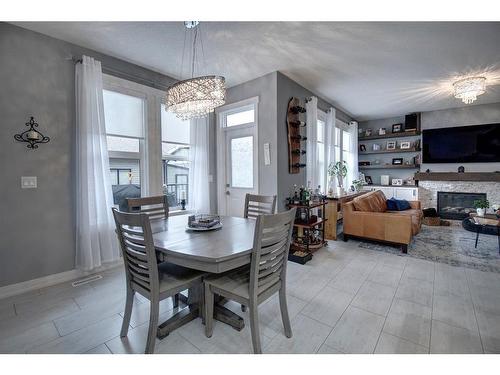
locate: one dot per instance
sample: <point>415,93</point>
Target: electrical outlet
<point>28,182</point>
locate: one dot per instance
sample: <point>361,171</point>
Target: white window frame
<point>321,116</point>
<point>221,114</point>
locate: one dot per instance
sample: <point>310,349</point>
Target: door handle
<point>228,193</point>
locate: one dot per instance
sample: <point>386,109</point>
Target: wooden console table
<point>334,212</point>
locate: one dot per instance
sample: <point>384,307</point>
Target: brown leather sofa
<point>367,216</point>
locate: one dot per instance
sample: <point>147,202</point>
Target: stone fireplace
<point>456,205</point>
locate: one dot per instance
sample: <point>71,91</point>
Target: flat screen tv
<point>463,144</point>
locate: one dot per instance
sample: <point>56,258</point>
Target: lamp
<point>468,89</point>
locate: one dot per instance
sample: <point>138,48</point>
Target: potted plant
<point>339,170</point>
<point>496,210</point>
<point>481,205</point>
<point>358,184</point>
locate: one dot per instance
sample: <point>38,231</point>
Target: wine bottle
<point>297,109</point>
<point>298,165</point>
<point>297,123</point>
<point>299,138</point>
<point>298,151</point>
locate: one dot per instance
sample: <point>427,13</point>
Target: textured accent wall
<point>427,190</point>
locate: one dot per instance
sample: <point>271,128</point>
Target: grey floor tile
<point>24,340</point>
<point>389,344</point>
<point>101,349</point>
<point>374,297</point>
<point>450,281</point>
<point>392,260</point>
<point>454,340</point>
<point>386,275</point>
<point>409,321</point>
<point>489,328</point>
<point>325,349</point>
<point>307,287</point>
<point>415,290</point>
<point>328,305</point>
<point>419,269</point>
<point>84,339</point>
<point>7,311</point>
<point>348,281</point>
<point>486,299</point>
<point>307,337</point>
<point>483,279</point>
<point>356,332</point>
<point>455,311</point>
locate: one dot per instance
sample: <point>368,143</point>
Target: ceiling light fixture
<point>197,96</point>
<point>468,89</point>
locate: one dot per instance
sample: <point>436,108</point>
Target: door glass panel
<point>242,162</point>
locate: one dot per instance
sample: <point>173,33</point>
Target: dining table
<point>214,251</point>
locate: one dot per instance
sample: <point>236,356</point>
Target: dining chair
<point>144,275</point>
<point>156,207</point>
<point>265,276</point>
<point>256,205</point>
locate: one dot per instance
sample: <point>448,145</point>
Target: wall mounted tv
<point>463,144</point>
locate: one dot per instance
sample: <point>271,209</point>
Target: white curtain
<point>96,241</point>
<point>353,172</point>
<point>312,153</point>
<point>330,144</point>
<point>199,194</point>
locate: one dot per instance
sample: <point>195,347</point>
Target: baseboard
<point>46,281</point>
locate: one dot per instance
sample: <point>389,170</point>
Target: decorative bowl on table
<point>203,222</point>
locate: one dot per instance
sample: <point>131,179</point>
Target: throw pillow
<point>394,204</point>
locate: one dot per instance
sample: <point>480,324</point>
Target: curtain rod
<point>112,71</point>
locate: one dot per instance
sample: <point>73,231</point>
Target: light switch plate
<point>28,182</point>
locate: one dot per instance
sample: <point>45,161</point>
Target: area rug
<point>451,245</point>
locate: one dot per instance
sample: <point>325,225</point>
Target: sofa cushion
<point>416,219</point>
<point>398,204</point>
<point>371,202</point>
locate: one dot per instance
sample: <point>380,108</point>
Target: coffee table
<point>487,224</point>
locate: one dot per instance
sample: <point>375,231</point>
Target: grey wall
<point>467,115</point>
<point>265,88</point>
<point>288,88</point>
<point>37,226</point>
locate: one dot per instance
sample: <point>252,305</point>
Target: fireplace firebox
<point>456,206</point>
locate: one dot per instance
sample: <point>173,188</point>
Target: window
<point>320,146</point>
<point>175,144</point>
<point>124,117</point>
<point>240,117</point>
<point>241,154</point>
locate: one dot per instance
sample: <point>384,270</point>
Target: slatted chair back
<point>139,256</point>
<point>155,207</point>
<point>272,239</point>
<point>256,205</point>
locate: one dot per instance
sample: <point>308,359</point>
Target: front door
<point>240,168</point>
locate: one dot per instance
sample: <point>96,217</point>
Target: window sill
<point>180,212</point>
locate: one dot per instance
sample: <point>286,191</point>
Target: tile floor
<point>346,300</point>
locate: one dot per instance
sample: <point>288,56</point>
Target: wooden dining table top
<point>213,251</point>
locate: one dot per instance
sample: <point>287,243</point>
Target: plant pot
<point>480,211</point>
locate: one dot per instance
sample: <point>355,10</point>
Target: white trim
<point>50,280</point>
<point>221,113</point>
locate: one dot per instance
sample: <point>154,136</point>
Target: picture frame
<point>397,181</point>
<point>391,145</point>
<point>362,148</point>
<point>405,145</point>
<point>397,161</point>
<point>381,131</point>
<point>397,128</point>
<point>368,132</point>
<point>368,180</point>
<point>376,147</point>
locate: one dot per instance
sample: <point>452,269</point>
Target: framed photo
<point>397,181</point>
<point>397,161</point>
<point>362,148</point>
<point>381,131</point>
<point>391,145</point>
<point>405,145</point>
<point>368,180</point>
<point>397,128</point>
<point>368,132</point>
<point>376,147</point>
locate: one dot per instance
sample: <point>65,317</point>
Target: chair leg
<point>243,308</point>
<point>153,327</point>
<point>254,327</point>
<point>284,313</point>
<point>176,300</point>
<point>128,312</point>
<point>209,311</point>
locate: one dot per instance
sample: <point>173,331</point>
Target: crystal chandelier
<point>198,96</point>
<point>468,89</point>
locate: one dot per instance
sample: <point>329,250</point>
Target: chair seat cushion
<point>416,218</point>
<point>236,282</point>
<point>173,276</point>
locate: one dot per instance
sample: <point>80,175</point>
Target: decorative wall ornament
<point>32,136</point>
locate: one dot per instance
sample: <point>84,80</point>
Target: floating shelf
<point>389,135</point>
<point>397,151</point>
<point>390,166</point>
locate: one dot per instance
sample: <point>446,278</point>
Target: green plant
<point>358,184</point>
<point>338,169</point>
<point>481,203</point>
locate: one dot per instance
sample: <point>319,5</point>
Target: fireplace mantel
<point>454,176</point>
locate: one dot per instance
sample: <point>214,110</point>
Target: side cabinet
<point>408,193</point>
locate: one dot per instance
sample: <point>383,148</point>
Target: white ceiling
<point>371,70</point>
